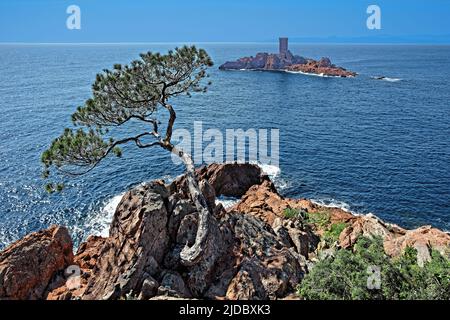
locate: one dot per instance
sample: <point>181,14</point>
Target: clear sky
<point>223,20</point>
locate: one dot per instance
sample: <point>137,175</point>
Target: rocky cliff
<point>257,249</point>
<point>289,62</point>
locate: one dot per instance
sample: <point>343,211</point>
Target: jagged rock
<point>274,62</point>
<point>252,250</point>
<point>28,265</point>
<point>299,60</point>
<point>149,289</point>
<point>243,287</point>
<point>264,61</point>
<point>324,63</point>
<point>187,230</point>
<point>321,68</point>
<point>282,232</point>
<point>227,179</point>
<point>367,225</point>
<point>267,268</point>
<point>138,237</point>
<point>395,238</point>
<point>88,252</point>
<point>263,202</point>
<point>172,284</point>
<point>181,209</point>
<point>209,194</point>
<point>301,240</point>
<point>172,260</point>
<point>277,62</point>
<point>230,180</point>
<point>423,239</point>
<point>85,259</point>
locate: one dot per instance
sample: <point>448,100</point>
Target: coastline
<point>262,218</point>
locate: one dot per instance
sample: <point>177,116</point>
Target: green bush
<point>334,231</point>
<point>290,213</point>
<point>346,275</point>
<point>319,219</point>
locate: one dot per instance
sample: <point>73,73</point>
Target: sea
<point>362,144</point>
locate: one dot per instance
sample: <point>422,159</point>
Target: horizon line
<point>219,42</point>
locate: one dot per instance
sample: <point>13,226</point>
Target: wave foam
<point>271,170</point>
<point>332,203</point>
<point>101,221</point>
<point>321,75</point>
<point>227,202</point>
<point>387,79</point>
<point>274,173</point>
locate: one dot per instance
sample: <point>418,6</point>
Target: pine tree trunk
<point>190,255</point>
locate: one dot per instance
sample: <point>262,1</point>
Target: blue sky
<point>224,20</point>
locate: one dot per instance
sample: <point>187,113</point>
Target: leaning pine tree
<point>135,92</point>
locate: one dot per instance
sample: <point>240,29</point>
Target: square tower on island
<point>283,47</point>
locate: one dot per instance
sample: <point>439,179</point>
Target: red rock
<point>368,226</point>
<point>27,266</point>
<point>86,259</point>
<point>227,179</point>
<point>321,68</point>
<point>138,237</point>
<point>289,62</point>
<point>253,251</point>
<point>425,237</point>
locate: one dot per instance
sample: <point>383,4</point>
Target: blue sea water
<point>367,145</point>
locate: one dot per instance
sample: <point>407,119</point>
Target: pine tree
<point>134,92</point>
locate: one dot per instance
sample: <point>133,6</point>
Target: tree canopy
<point>127,92</point>
<point>135,92</point>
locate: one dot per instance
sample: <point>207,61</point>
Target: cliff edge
<point>261,248</point>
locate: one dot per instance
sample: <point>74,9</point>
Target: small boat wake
<point>388,79</point>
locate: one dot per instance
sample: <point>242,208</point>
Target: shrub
<point>334,231</point>
<point>290,213</point>
<point>346,275</point>
<point>320,219</point>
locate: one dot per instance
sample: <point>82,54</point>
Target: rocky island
<point>263,247</point>
<point>286,61</point>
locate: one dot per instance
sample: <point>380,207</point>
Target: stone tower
<point>283,47</point>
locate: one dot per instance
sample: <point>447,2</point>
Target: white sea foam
<point>270,170</point>
<point>100,221</point>
<point>274,173</point>
<point>332,203</point>
<point>388,79</point>
<point>392,79</point>
<point>321,75</point>
<point>227,202</point>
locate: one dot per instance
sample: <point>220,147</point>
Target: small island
<point>286,61</point>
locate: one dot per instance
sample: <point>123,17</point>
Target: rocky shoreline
<point>289,63</point>
<point>257,249</point>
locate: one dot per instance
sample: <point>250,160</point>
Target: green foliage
<point>319,219</point>
<point>290,213</point>
<point>129,92</point>
<point>432,281</point>
<point>77,148</point>
<point>134,91</point>
<point>345,276</point>
<point>334,231</point>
